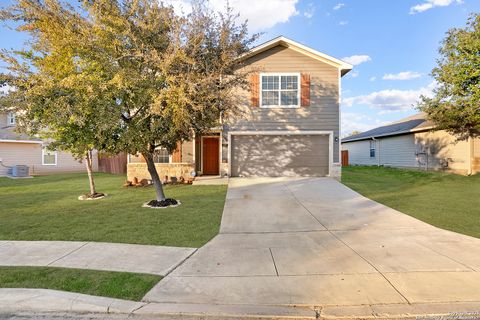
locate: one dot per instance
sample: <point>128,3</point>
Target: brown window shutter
<point>305,90</point>
<point>254,90</point>
<point>177,154</point>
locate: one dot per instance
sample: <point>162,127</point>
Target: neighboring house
<point>19,149</point>
<point>289,124</point>
<point>412,143</point>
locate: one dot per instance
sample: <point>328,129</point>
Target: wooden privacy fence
<point>344,158</point>
<point>113,164</point>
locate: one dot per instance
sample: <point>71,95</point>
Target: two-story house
<point>288,125</point>
<point>20,149</point>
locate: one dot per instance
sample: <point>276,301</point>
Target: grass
<point>444,200</point>
<point>121,285</point>
<point>46,208</point>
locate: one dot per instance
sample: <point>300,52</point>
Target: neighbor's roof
<point>342,65</point>
<point>8,134</point>
<point>417,122</point>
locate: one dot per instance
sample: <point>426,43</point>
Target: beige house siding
<point>30,154</point>
<point>442,145</point>
<point>321,115</point>
<point>3,120</point>
<point>188,152</point>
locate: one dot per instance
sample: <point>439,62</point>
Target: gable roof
<point>289,43</point>
<point>417,122</point>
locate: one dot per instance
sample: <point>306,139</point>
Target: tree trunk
<point>88,162</point>
<point>154,174</point>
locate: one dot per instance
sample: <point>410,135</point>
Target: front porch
<point>197,159</point>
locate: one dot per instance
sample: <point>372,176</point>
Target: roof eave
<point>21,141</point>
<point>281,40</point>
<point>391,134</point>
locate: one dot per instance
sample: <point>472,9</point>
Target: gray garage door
<point>279,155</point>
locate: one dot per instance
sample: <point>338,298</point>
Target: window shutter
<point>177,154</point>
<point>254,90</point>
<point>305,90</point>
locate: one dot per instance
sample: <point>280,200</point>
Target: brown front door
<point>210,156</point>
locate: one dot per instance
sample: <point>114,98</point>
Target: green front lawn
<point>444,200</point>
<point>121,285</point>
<point>46,208</point>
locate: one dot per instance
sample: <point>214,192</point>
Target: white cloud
<point>406,75</point>
<point>373,78</point>
<point>391,99</point>
<point>310,11</point>
<point>354,74</point>
<point>357,59</point>
<point>339,6</point>
<point>261,15</point>
<point>343,23</point>
<point>429,4</point>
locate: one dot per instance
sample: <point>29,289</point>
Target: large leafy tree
<point>455,105</point>
<point>175,76</point>
<point>148,77</point>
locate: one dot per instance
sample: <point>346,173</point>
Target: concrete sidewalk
<point>45,304</point>
<point>52,304</point>
<point>159,260</point>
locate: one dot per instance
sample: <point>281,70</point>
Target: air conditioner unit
<point>20,171</point>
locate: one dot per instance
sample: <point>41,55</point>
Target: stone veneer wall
<point>140,171</point>
<point>336,171</point>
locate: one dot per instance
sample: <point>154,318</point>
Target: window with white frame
<point>372,148</point>
<point>161,155</point>
<point>280,90</point>
<point>49,157</point>
<point>10,118</point>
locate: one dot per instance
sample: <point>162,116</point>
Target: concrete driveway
<point>314,242</point>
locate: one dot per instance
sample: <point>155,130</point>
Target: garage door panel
<point>248,171</point>
<point>279,155</point>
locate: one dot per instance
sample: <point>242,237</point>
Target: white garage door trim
<point>279,133</point>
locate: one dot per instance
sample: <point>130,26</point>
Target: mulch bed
<point>169,202</point>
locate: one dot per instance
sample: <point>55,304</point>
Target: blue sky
<point>392,42</point>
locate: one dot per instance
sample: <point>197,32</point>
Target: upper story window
<point>372,148</point>
<point>10,119</point>
<point>280,90</point>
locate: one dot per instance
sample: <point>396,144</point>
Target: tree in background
<point>455,105</point>
<point>58,92</point>
<point>354,132</point>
